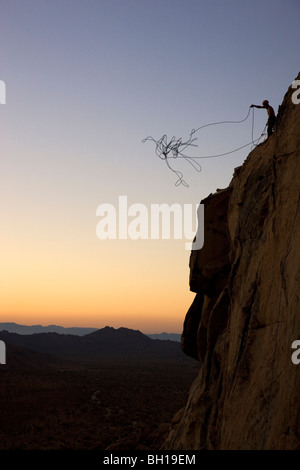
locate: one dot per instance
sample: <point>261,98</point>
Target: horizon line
<point>88,327</point>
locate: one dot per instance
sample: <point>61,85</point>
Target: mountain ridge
<point>104,345</point>
<point>13,327</point>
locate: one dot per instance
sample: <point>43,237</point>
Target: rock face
<point>246,312</point>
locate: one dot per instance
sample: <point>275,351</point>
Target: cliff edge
<point>246,311</point>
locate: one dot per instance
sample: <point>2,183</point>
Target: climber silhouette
<point>272,118</point>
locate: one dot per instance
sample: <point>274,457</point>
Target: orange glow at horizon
<point>138,285</point>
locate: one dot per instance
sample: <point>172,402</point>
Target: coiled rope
<point>175,148</point>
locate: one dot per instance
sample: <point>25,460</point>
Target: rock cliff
<point>246,312</point>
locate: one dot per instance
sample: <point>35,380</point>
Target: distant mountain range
<point>100,347</point>
<point>30,329</point>
<point>166,336</point>
<point>78,331</point>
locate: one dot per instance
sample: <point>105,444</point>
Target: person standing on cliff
<point>271,114</point>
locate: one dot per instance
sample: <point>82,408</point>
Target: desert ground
<point>113,407</point>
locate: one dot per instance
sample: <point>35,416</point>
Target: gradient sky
<point>86,81</point>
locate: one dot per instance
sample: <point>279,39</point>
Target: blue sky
<point>86,81</point>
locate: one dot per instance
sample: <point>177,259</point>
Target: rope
<point>175,148</point>
<point>221,122</point>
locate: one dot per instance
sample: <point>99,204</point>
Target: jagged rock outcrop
<point>209,271</point>
<point>246,313</point>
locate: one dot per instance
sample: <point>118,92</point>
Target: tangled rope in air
<point>176,148</point>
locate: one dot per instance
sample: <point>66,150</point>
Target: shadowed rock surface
<point>246,312</point>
